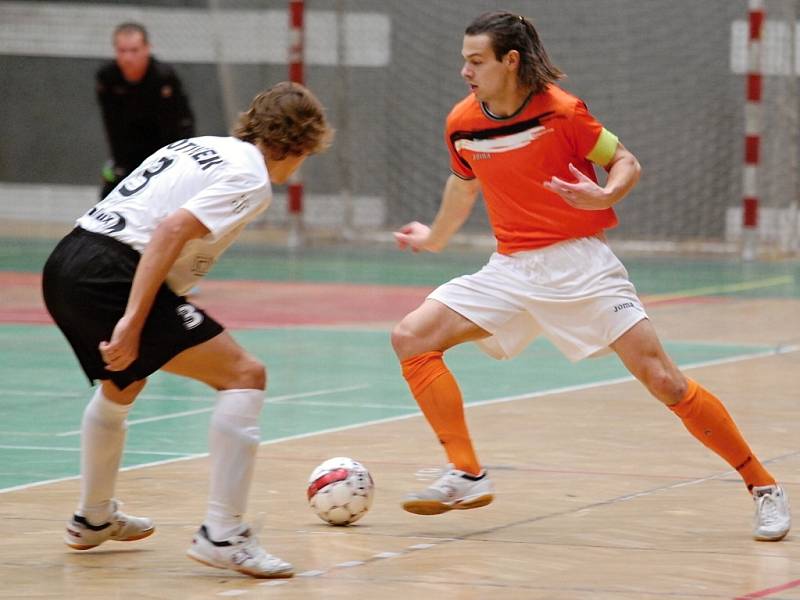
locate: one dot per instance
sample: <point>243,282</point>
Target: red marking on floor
<point>249,304</point>
<point>769,591</point>
<point>253,304</point>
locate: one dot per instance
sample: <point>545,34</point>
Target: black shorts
<point>86,283</point>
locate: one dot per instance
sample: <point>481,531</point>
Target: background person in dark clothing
<point>143,104</point>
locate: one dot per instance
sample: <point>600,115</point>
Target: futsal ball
<point>340,490</point>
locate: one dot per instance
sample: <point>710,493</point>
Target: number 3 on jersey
<point>191,317</point>
<point>138,180</point>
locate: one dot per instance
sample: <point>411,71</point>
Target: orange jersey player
<point>530,147</point>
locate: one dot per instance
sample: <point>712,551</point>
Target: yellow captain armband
<point>604,149</point>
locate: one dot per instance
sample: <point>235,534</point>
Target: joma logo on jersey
<point>623,306</point>
<point>481,156</point>
<point>240,203</point>
<point>112,221</point>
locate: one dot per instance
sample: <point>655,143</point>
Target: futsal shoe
<point>82,535</point>
<point>455,490</point>
<point>772,519</point>
<point>240,552</point>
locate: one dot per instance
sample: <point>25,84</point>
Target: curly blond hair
<point>287,119</point>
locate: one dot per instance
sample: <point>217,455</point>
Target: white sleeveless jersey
<point>222,181</point>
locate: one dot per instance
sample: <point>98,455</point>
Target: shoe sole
<point>764,538</point>
<point>256,574</point>
<point>138,537</point>
<point>434,507</point>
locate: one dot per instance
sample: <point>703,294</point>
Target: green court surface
<point>319,379</point>
<point>381,264</point>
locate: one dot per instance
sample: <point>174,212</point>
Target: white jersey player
<point>115,286</point>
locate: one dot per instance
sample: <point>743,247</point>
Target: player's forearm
<point>159,255</point>
<point>157,259</point>
<point>623,175</point>
<point>458,200</point>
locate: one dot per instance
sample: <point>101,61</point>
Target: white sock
<point>103,432</point>
<point>234,435</point>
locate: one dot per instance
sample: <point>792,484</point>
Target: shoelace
<point>768,508</point>
<point>444,485</point>
<point>251,547</point>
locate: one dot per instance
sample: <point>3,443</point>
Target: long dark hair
<point>514,32</point>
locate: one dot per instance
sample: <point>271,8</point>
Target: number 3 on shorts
<point>191,318</point>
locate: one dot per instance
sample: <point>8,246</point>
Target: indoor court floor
<point>601,493</point>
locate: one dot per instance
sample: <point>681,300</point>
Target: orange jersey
<point>513,156</point>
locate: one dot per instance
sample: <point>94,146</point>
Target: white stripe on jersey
<point>503,143</point>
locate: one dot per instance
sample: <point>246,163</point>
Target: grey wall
<point>655,72</point>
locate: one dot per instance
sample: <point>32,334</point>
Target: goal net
<point>666,77</point>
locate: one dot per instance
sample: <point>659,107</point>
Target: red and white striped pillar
<point>296,74</point>
<point>752,130</point>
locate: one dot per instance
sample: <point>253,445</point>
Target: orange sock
<point>706,419</point>
<point>436,391</point>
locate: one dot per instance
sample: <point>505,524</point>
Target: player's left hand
<point>584,193</point>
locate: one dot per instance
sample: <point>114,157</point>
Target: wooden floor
<point>600,494</point>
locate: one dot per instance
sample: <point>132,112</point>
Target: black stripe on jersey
<point>485,134</point>
<point>460,176</point>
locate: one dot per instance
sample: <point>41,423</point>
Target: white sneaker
<point>772,519</point>
<point>82,535</point>
<point>453,490</point>
<point>240,552</point>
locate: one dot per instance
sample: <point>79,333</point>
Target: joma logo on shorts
<point>622,306</point>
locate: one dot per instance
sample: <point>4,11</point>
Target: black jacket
<point>142,117</point>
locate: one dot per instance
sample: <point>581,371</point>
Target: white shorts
<point>575,293</point>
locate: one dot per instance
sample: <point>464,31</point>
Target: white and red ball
<point>340,490</point>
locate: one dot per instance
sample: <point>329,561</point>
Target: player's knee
<point>667,385</point>
<point>251,374</point>
<point>678,387</point>
<point>404,340</point>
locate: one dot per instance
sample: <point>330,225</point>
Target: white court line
<point>768,348</point>
<point>171,397</point>
<point>64,449</point>
<point>197,411</point>
<point>708,363</point>
<point>26,486</point>
<point>35,394</point>
<point>176,415</point>
<point>585,386</point>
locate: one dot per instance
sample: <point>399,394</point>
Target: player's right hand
<point>122,349</point>
<point>412,235</point>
